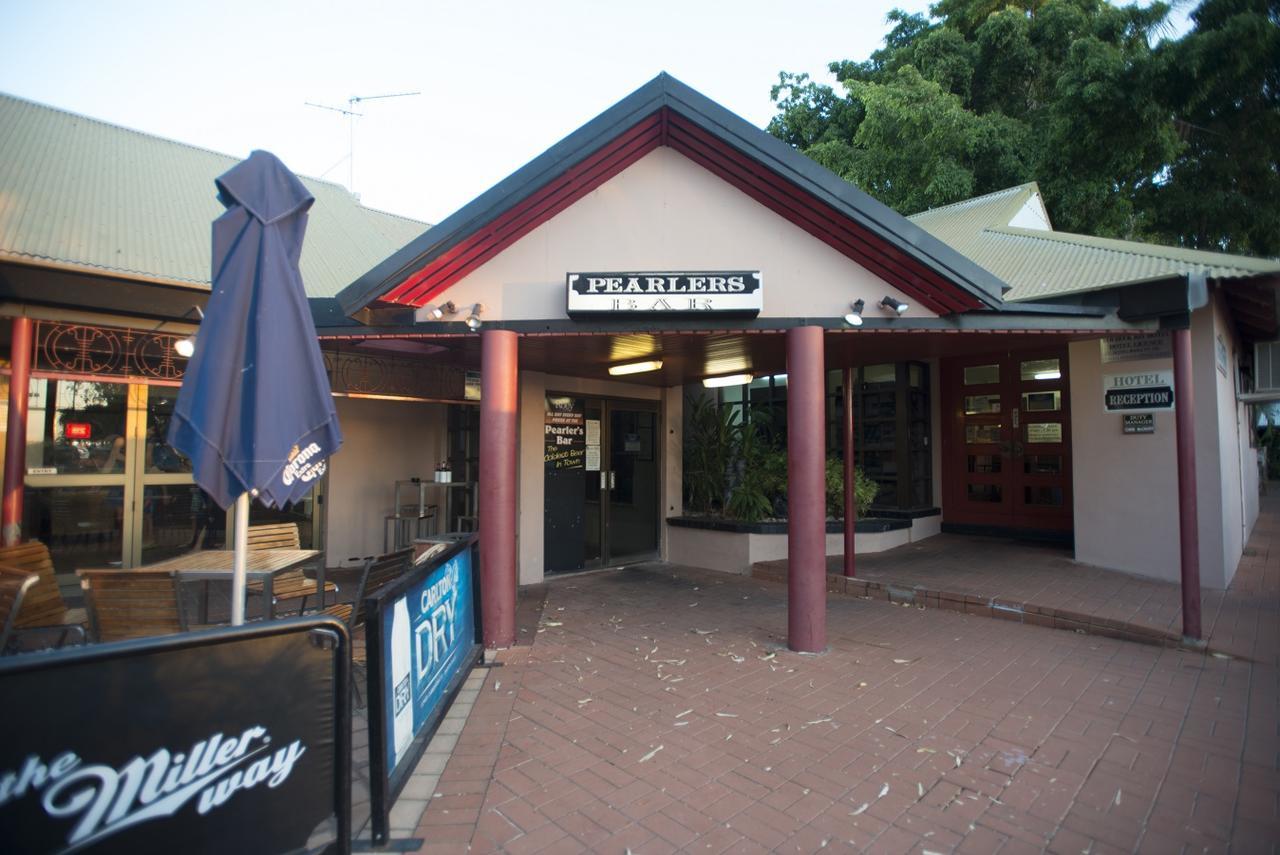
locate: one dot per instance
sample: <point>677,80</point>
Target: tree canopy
<point>1130,133</point>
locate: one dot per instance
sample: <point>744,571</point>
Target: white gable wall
<point>665,212</point>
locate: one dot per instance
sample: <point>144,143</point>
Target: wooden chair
<point>43,608</point>
<point>132,603</point>
<point>14,585</point>
<point>294,585</point>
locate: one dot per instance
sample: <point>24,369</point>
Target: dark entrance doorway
<point>601,471</point>
<point>1006,449</point>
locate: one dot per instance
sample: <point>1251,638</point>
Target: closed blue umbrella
<point>255,414</point>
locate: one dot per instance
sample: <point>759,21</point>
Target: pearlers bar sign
<point>720,292</point>
<point>1139,392</point>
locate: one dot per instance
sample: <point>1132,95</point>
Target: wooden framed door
<point>1006,454</point>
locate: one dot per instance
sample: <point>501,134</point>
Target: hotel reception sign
<point>734,293</point>
<point>1141,392</point>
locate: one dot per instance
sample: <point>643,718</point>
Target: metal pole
<point>15,443</point>
<point>1188,517</point>
<point>499,387</point>
<point>806,492</point>
<point>240,543</point>
<point>850,505</point>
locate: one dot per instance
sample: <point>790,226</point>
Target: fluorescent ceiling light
<point>1048,375</point>
<point>635,367</point>
<point>727,380</point>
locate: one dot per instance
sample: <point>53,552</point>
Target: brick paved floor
<point>656,711</point>
<point>1032,582</point>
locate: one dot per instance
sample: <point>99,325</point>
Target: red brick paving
<point>657,711</point>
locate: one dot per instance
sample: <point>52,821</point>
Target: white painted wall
<point>666,213</point>
<point>383,442</point>
<point>1126,486</point>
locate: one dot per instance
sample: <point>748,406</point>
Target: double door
<point>601,471</point>
<point>1007,441</point>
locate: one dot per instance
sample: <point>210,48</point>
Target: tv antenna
<point>350,112</point>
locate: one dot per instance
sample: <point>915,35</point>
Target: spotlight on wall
<point>186,347</point>
<point>854,318</point>
<point>891,305</point>
<point>635,367</point>
<point>473,320</point>
<point>727,380</point>
<point>439,311</point>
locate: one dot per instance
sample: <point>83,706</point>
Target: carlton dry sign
<point>1141,392</point>
<point>231,740</point>
<point>735,293</point>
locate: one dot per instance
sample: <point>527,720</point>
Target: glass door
<point>631,503</point>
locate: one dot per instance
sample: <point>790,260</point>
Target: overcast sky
<point>500,81</point>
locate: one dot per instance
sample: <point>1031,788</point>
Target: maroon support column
<point>806,492</point>
<point>850,506</point>
<point>15,443</point>
<point>497,512</point>
<point>1188,518</point>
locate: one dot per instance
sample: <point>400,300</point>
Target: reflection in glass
<point>76,427</point>
<point>976,375</point>
<point>1050,497</point>
<point>982,433</point>
<point>1044,432</point>
<point>1042,464</point>
<point>1041,369</point>
<point>179,518</point>
<point>1041,402</point>
<point>984,464</point>
<point>985,493</point>
<point>887,373</point>
<point>162,457</point>
<point>978,404</point>
<point>82,526</point>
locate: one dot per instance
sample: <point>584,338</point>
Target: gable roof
<point>1040,263</point>
<point>666,112</point>
<point>81,193</point>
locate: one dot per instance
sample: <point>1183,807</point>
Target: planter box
<point>732,547</point>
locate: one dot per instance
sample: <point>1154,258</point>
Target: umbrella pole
<point>241,546</point>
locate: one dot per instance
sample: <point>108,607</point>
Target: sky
<point>500,81</point>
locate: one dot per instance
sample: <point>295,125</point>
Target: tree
<point>1175,142</point>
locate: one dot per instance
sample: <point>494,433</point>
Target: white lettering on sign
<point>1137,392</point>
<point>436,634</point>
<point>298,469</point>
<point>105,801</point>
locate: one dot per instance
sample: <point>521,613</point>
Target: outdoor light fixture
<point>473,320</point>
<point>727,380</point>
<point>186,347</point>
<point>854,318</point>
<point>892,305</point>
<point>635,367</point>
<point>438,312</point>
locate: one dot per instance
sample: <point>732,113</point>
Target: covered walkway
<point>1042,585</point>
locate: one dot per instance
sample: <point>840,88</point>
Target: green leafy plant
<point>761,472</point>
<point>709,452</point>
<point>864,489</point>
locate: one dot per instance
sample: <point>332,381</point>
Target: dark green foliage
<point>1178,143</point>
<point>864,489</point>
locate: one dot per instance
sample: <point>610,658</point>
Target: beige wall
<point>666,213</point>
<point>1126,486</point>
<point>383,442</point>
<point>534,387</point>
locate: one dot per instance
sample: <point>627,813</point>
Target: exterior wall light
<point>438,312</point>
<point>892,305</point>
<point>727,380</point>
<point>186,347</point>
<point>635,367</point>
<point>854,318</point>
<point>473,320</point>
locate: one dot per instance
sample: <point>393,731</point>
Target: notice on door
<point>593,445</point>
<point>1137,393</point>
<point>564,434</point>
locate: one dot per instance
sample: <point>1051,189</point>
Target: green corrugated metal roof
<point>1039,263</point>
<point>78,191</point>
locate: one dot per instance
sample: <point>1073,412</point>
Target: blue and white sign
<point>426,636</point>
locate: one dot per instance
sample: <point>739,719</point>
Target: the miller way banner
<point>426,635</point>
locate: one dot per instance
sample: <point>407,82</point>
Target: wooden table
<point>216,565</point>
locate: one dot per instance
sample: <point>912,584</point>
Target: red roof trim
<point>665,127</point>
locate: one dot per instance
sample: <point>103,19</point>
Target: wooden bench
<point>131,603</point>
<point>43,608</point>
<point>294,585</point>
<point>14,585</point>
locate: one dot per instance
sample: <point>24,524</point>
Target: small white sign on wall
<point>1131,348</point>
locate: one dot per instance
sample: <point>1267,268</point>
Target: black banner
<point>231,740</point>
<point>1146,398</point>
